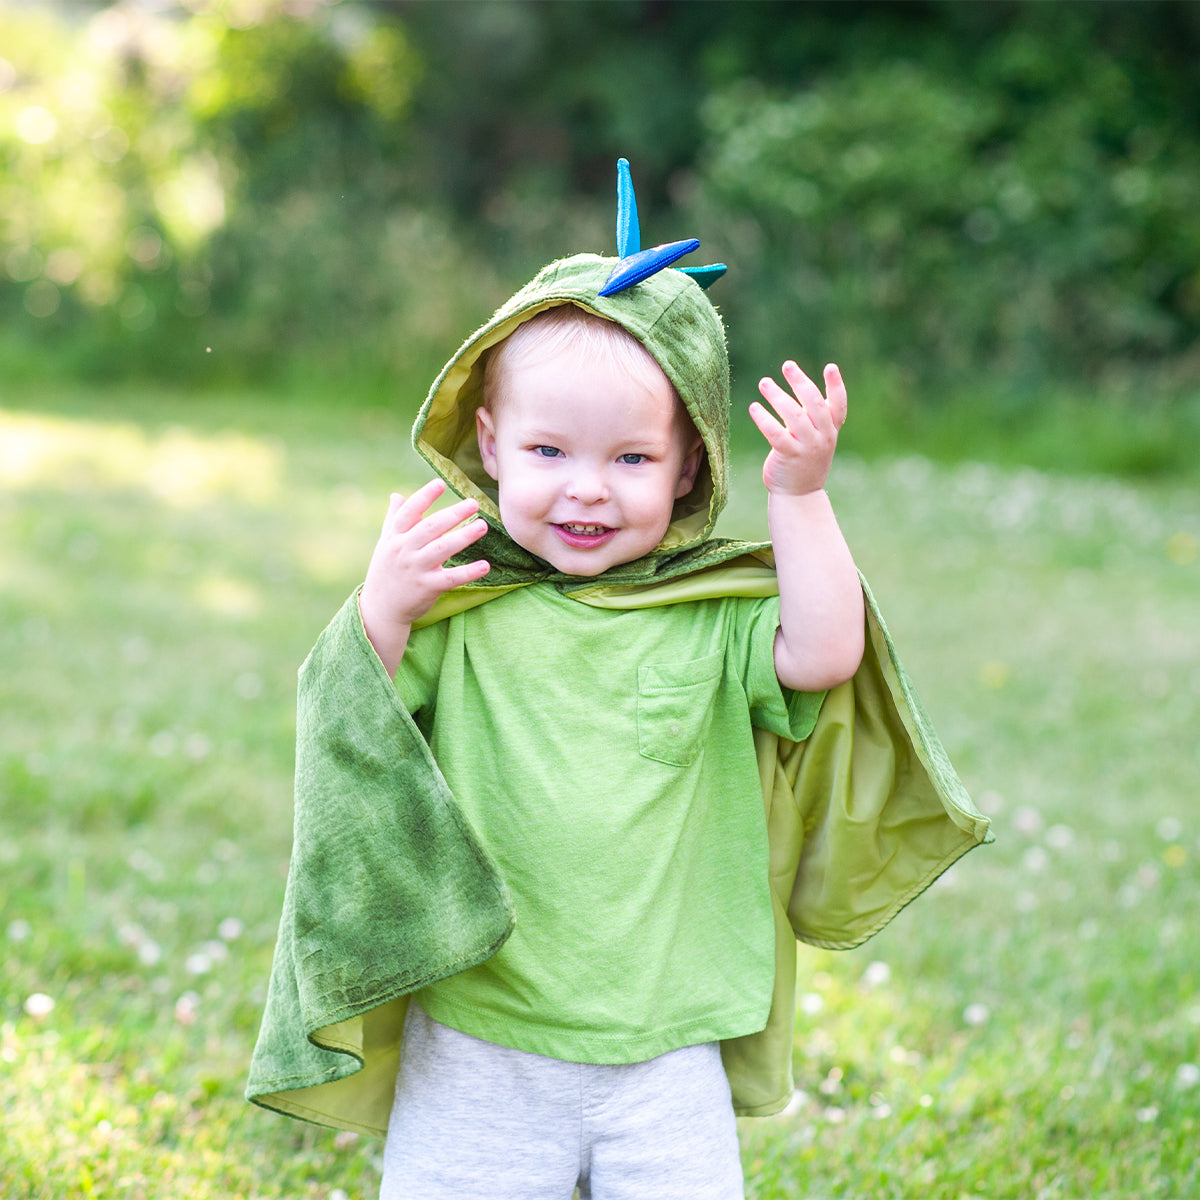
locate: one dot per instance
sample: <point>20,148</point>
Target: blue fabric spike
<point>629,235</point>
<point>637,264</point>
<point>644,264</point>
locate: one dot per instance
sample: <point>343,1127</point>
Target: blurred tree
<point>1008,211</point>
<point>937,185</point>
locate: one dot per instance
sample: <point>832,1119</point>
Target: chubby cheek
<point>522,499</point>
<point>652,503</point>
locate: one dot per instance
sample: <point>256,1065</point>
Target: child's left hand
<point>802,446</point>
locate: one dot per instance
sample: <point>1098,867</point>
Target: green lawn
<point>1028,1029</point>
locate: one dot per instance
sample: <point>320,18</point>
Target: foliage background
<point>986,212</point>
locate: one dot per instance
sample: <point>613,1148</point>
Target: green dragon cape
<point>389,889</point>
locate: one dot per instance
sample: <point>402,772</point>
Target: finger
<point>407,513</point>
<point>394,503</point>
<point>822,408</point>
<point>457,540</point>
<point>806,390</point>
<point>445,519</point>
<point>790,408</point>
<point>779,436</point>
<point>467,573</point>
<point>835,389</point>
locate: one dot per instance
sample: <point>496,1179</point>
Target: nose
<point>587,484</point>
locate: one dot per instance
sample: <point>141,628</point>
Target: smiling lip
<point>582,536</point>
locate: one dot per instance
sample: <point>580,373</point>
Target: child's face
<point>590,460</point>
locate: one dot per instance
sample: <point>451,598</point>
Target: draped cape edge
<point>389,889</point>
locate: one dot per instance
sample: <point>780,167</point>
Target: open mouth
<point>584,536</point>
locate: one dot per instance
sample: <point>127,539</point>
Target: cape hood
<point>672,317</point>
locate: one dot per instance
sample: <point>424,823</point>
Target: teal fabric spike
<point>705,276</point>
<point>637,264</point>
<point>629,235</point>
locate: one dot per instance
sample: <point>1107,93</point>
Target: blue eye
<point>547,451</point>
<point>632,460</point>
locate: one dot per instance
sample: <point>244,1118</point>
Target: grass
<point>1029,1028</point>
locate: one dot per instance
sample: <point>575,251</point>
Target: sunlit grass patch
<point>1029,1027</point>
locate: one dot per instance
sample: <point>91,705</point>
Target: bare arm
<point>820,638</point>
<point>407,572</point>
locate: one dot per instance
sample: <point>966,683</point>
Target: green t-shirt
<point>606,760</point>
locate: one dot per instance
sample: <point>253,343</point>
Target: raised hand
<point>407,573</point>
<point>804,437</point>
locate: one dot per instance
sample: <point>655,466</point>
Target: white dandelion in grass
<point>1028,821</point>
<point>163,743</point>
<point>877,974</point>
<point>146,864</point>
<point>832,1083</point>
<point>187,1007</point>
<point>1060,837</point>
<point>904,1057</point>
<point>149,953</point>
<point>1169,829</point>
<point>230,929</point>
<point>39,1006</point>
<point>197,746</point>
<point>1187,1075</point>
<point>1035,859</point>
<point>198,963</point>
<point>217,951</point>
<point>131,934</point>
<point>977,1014</point>
<point>19,930</point>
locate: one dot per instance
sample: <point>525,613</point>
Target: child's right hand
<point>408,572</point>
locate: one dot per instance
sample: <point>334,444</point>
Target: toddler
<point>573,774</point>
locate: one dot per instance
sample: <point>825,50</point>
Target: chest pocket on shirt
<point>674,708</point>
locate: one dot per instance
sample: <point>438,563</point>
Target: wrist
<point>795,501</point>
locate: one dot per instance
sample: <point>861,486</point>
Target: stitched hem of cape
<point>314,1117</point>
<point>931,877</point>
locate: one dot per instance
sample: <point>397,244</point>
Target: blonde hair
<point>567,327</point>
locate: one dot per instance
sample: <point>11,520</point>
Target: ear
<point>690,468</point>
<point>485,432</point>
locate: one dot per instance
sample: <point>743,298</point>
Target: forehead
<point>566,330</point>
<point>573,389</point>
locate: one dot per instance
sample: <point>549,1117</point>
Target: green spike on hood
<point>671,316</point>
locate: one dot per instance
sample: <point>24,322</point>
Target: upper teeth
<point>584,528</point>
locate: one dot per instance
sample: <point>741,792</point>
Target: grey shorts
<point>476,1120</point>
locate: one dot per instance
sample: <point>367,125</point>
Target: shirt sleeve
<point>779,710</point>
